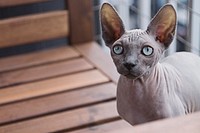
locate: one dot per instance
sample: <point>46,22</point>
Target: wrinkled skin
<point>150,88</point>
<point>170,88</point>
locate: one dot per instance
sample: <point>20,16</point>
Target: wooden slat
<point>105,128</point>
<point>48,104</point>
<point>36,58</point>
<point>6,3</point>
<point>33,28</point>
<point>129,130</point>
<point>70,119</point>
<point>183,124</point>
<point>99,58</point>
<point>50,86</point>
<point>81,21</point>
<point>44,71</point>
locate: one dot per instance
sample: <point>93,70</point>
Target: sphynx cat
<point>150,88</point>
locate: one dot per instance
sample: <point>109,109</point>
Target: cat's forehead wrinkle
<point>136,33</point>
<point>133,36</point>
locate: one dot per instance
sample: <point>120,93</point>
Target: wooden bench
<point>66,88</point>
<point>183,124</point>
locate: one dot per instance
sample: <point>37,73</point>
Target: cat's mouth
<point>132,75</point>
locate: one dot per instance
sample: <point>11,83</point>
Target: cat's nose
<point>129,66</point>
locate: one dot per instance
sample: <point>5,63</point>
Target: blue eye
<point>118,49</point>
<point>147,50</point>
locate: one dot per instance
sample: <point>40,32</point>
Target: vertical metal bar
<point>195,28</point>
<point>172,48</point>
<point>189,25</point>
<point>144,13</point>
<point>123,9</point>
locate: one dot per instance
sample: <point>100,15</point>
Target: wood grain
<point>183,124</point>
<point>6,3</point>
<point>51,86</point>
<point>44,71</point>
<point>105,128</point>
<point>56,102</point>
<point>60,89</point>
<point>81,21</point>
<point>99,58</point>
<point>33,28</point>
<point>65,120</point>
<point>37,58</point>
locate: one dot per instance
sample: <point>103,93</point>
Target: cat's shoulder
<point>181,59</point>
<point>183,56</point>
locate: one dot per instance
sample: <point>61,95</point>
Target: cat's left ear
<point>111,24</point>
<point>162,27</point>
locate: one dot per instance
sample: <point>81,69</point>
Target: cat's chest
<point>126,102</point>
<point>135,105</point>
<point>133,92</point>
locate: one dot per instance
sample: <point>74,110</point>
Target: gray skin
<point>167,88</point>
<point>150,88</point>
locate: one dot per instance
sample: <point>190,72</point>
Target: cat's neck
<point>144,92</point>
<point>154,79</point>
<point>150,82</point>
<point>142,99</point>
<point>154,74</point>
<point>159,77</point>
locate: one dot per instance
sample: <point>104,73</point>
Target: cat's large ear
<point>162,27</point>
<point>111,24</point>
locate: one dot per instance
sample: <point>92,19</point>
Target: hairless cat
<point>150,88</point>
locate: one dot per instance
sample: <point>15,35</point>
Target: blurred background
<point>138,13</point>
<point>135,14</point>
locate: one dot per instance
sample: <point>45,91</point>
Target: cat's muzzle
<point>129,66</point>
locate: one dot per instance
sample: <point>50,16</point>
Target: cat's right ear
<point>162,27</point>
<point>111,24</point>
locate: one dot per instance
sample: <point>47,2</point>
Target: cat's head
<point>137,51</point>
